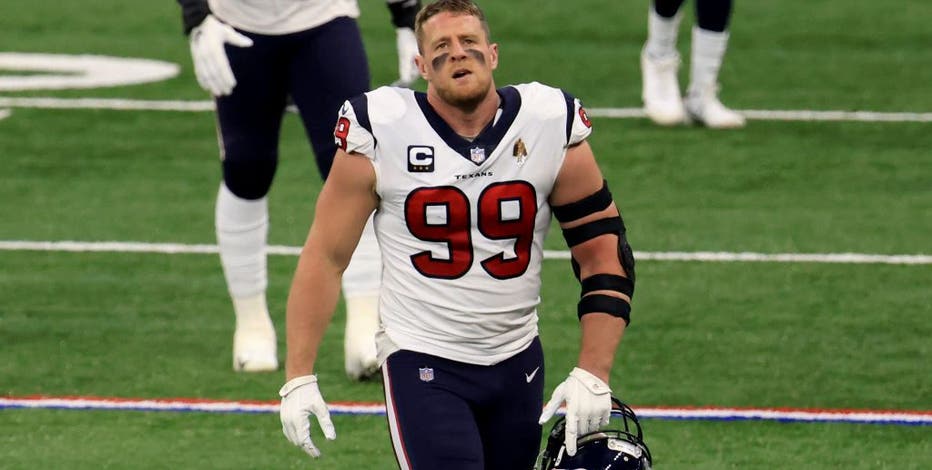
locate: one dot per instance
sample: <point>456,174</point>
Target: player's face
<point>457,58</point>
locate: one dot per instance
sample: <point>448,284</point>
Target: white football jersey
<point>275,17</point>
<point>461,224</point>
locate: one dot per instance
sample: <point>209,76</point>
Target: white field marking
<point>107,103</point>
<point>616,113</point>
<point>785,115</point>
<point>64,71</point>
<point>5,113</point>
<point>903,417</point>
<point>700,256</point>
<point>809,115</point>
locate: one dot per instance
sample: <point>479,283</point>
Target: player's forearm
<point>601,334</point>
<point>315,291</point>
<point>601,330</point>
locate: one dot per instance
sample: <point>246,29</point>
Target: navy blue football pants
<point>448,415</point>
<point>711,15</point>
<point>319,68</point>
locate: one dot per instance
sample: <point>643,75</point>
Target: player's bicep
<point>344,205</point>
<point>579,178</point>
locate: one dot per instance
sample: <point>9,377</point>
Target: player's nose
<point>457,50</point>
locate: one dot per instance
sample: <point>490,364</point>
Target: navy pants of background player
<point>450,415</point>
<point>319,68</point>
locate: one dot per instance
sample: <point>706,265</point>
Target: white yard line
<point>106,103</point>
<point>200,405</point>
<point>616,113</point>
<point>785,115</point>
<point>5,113</point>
<point>697,256</point>
<point>810,115</point>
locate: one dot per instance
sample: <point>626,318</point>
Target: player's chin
<point>467,100</point>
<point>467,94</point>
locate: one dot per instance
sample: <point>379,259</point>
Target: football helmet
<point>621,448</point>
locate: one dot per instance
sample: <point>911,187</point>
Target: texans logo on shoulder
<point>584,117</point>
<point>341,132</point>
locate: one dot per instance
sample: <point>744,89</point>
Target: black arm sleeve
<point>403,12</point>
<point>193,13</point>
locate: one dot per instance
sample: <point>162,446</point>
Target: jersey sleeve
<point>403,12</point>
<point>193,13</point>
<point>578,126</point>
<point>353,132</point>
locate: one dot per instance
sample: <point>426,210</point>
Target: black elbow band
<point>193,13</point>
<point>599,303</point>
<point>612,282</point>
<point>595,202</point>
<point>404,12</point>
<point>611,225</point>
<point>585,232</point>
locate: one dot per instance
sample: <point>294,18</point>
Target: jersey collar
<point>479,149</point>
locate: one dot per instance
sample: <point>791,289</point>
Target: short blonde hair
<point>460,7</point>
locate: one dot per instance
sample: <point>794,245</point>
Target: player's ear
<point>421,65</point>
<point>493,55</point>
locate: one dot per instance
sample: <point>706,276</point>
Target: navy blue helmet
<point>619,447</point>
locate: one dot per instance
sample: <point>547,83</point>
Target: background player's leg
<point>248,123</point>
<point>323,77</point>
<point>660,62</point>
<point>709,42</point>
<point>361,281</point>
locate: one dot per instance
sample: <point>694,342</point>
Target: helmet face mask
<point>607,449</point>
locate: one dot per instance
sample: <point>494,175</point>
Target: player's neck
<point>467,122</point>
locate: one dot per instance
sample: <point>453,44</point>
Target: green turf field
<point>723,334</point>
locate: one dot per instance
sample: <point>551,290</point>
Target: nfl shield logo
<point>477,154</point>
<point>426,373</point>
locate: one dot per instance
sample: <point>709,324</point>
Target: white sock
<point>363,276</point>
<point>252,312</point>
<point>708,50</point>
<point>359,346</point>
<point>362,318</point>
<point>242,228</point>
<point>661,34</point>
<point>361,281</point>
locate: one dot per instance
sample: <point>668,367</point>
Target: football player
<point>463,180</point>
<point>660,62</point>
<point>254,57</point>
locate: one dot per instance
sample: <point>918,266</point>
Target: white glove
<point>300,398</point>
<point>407,50</point>
<point>588,405</point>
<point>210,59</point>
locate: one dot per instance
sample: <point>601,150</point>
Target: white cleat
<point>362,321</point>
<point>255,349</point>
<point>660,89</point>
<point>704,107</point>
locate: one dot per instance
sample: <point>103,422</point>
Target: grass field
<point>704,334</point>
